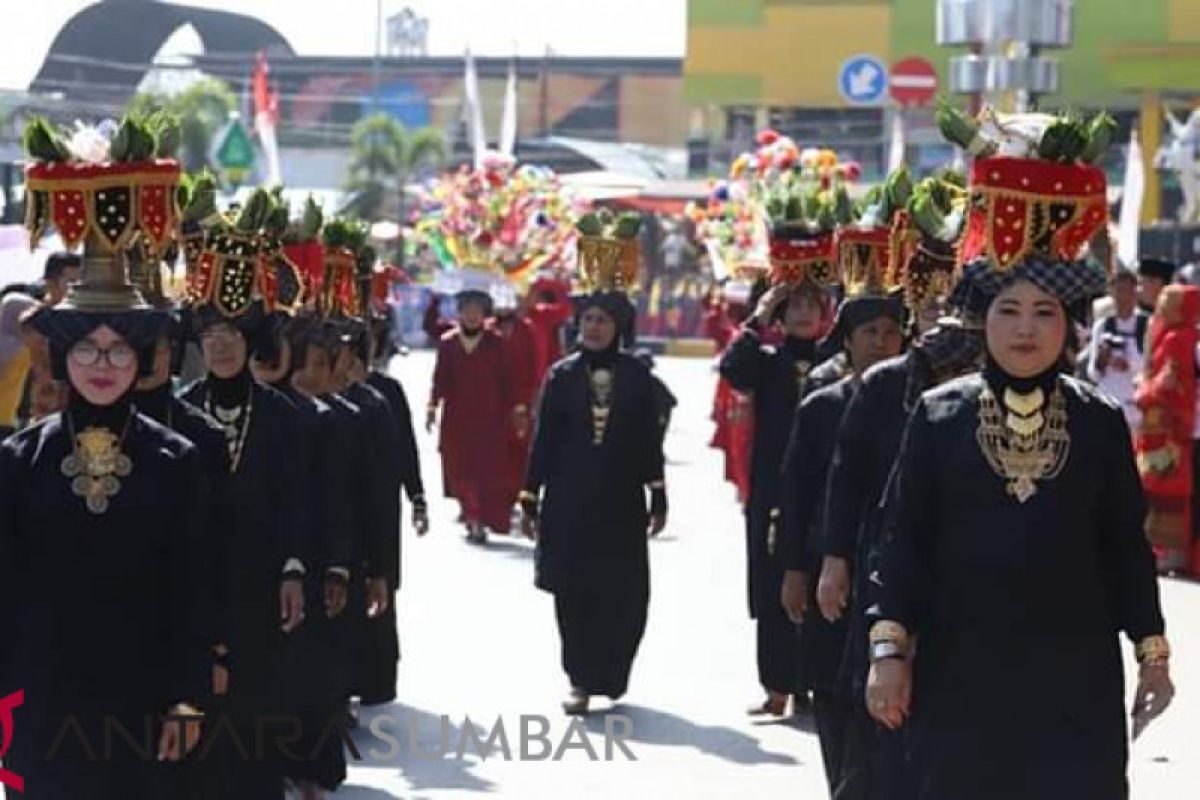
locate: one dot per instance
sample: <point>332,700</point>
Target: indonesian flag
<point>266,115</point>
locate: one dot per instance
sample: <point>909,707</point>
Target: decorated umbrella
<point>514,219</point>
<point>776,213</point>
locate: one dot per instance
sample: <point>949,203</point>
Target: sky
<point>347,27</point>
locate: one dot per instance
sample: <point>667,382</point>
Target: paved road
<point>479,644</point>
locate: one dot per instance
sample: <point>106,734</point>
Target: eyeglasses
<point>224,336</point>
<point>88,354</point>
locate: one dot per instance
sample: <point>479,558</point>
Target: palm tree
<point>202,109</point>
<point>386,156</point>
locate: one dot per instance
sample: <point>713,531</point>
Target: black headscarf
<point>64,327</point>
<point>1073,284</point>
<point>616,305</point>
<point>856,311</point>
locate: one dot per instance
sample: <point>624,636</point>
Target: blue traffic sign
<point>863,80</point>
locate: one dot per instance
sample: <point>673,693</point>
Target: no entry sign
<point>913,82</point>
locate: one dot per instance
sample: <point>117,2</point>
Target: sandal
<point>576,704</point>
<point>774,706</point>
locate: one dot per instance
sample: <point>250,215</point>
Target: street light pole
<point>377,65</point>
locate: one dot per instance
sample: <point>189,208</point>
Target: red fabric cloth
<point>478,395</point>
<point>718,325</point>
<point>520,350</point>
<point>547,316</point>
<point>733,414</point>
<point>1163,441</point>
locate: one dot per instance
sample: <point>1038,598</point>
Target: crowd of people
<point>946,529</point>
<point>958,484</point>
<point>202,505</point>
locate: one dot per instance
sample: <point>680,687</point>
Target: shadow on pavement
<point>654,727</point>
<point>421,746</point>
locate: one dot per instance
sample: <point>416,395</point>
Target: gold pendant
<point>1025,425</point>
<point>1023,448</point>
<point>802,370</point>
<point>1022,488</point>
<point>1024,404</point>
<point>95,467</point>
<point>602,388</point>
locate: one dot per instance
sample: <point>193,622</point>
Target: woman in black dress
<point>776,376</point>
<point>101,564</point>
<point>1014,556</point>
<point>596,453</point>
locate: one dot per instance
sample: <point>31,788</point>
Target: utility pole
<point>544,94</point>
<point>1006,37</point>
<point>377,65</point>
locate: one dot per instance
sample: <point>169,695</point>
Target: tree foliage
<point>386,157</point>
<point>202,109</point>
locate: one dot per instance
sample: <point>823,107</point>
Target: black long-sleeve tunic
<point>1016,606</point>
<point>868,440</point>
<point>592,551</point>
<point>103,612</point>
<point>328,490</point>
<point>410,459</point>
<point>383,483</point>
<point>320,651</point>
<point>775,377</point>
<point>594,514</point>
<point>201,430</point>
<point>270,524</point>
<point>806,466</point>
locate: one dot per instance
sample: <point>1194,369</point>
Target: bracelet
<point>659,484</point>
<point>527,496</point>
<point>186,711</point>
<point>1153,650</point>
<point>888,631</point>
<point>885,649</point>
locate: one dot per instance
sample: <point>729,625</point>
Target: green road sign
<point>234,152</point>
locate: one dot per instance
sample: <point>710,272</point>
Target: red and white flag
<point>266,115</point>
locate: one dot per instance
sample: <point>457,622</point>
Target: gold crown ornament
<point>609,251</point>
<point>105,188</point>
<point>924,237</point>
<point>862,254</point>
<point>346,255</point>
<point>1035,190</point>
<point>241,263</point>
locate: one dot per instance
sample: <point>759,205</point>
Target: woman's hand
<point>335,595</point>
<point>794,595</point>
<point>378,597</point>
<point>889,691</point>
<point>180,733</point>
<point>1155,691</point>
<point>420,518</point>
<point>833,588</point>
<point>529,525</point>
<point>769,302</point>
<point>291,604</point>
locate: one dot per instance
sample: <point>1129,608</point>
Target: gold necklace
<point>236,426</point>
<point>601,385</point>
<point>1027,442</point>
<point>802,370</point>
<point>96,464</point>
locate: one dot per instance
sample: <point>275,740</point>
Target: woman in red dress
<point>1163,443</point>
<point>474,382</point>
